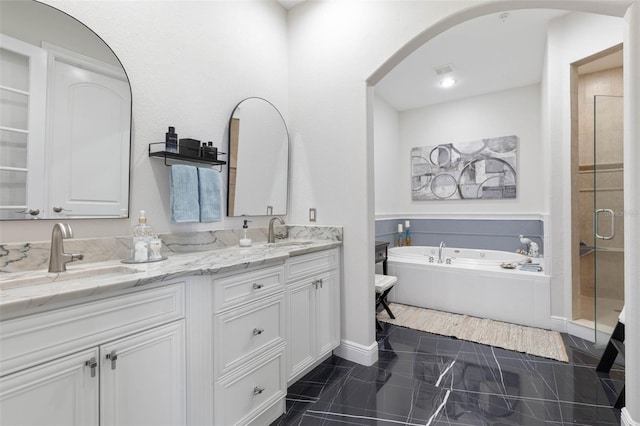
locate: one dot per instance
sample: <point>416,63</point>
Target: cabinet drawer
<point>245,395</point>
<point>236,289</point>
<point>247,331</point>
<point>37,338</point>
<point>309,264</point>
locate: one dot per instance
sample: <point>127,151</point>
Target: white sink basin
<point>69,274</point>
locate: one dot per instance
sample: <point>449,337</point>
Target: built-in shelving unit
<point>157,149</point>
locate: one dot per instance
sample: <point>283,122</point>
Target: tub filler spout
<point>442,245</point>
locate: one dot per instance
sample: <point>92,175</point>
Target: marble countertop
<point>26,292</point>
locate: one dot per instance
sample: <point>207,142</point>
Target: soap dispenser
<point>142,234</point>
<point>244,241</point>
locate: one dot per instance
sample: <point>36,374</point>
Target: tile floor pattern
<point>426,379</point>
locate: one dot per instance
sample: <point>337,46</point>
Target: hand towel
<point>184,194</point>
<point>210,198</point>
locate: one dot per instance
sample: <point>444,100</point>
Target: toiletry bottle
<point>407,233</point>
<point>400,236</point>
<point>212,151</point>
<point>204,150</point>
<point>142,234</point>
<point>244,241</point>
<point>171,140</point>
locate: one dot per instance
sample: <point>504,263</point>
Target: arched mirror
<point>65,118</point>
<point>258,160</point>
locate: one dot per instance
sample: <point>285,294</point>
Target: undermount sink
<point>69,274</point>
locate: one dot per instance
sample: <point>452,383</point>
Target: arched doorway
<point>556,208</point>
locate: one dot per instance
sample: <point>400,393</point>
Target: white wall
<point>510,112</point>
<point>387,158</point>
<point>189,64</point>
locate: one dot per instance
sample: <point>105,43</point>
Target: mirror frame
<point>233,162</point>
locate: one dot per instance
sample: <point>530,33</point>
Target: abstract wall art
<point>477,170</point>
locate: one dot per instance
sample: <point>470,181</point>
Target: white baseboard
<point>355,352</point>
<point>580,331</point>
<point>626,419</point>
<point>574,328</point>
<point>558,324</point>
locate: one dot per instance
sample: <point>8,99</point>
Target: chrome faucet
<point>271,238</point>
<point>58,259</point>
<point>442,245</point>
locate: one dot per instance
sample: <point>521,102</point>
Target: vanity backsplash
<point>20,257</point>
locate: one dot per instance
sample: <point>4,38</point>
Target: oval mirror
<point>65,118</point>
<point>258,160</point>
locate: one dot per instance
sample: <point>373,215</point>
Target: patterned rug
<point>534,341</point>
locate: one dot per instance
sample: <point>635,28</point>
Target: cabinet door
<point>328,314</point>
<point>62,392</point>
<point>142,378</point>
<point>22,101</point>
<point>90,137</point>
<point>301,326</point>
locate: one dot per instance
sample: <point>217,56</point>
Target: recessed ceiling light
<point>447,82</point>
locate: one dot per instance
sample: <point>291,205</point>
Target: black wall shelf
<point>195,158</point>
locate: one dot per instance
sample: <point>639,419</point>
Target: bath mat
<point>534,341</point>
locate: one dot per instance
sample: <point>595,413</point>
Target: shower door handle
<point>613,224</point>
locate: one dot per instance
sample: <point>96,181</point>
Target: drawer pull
<point>258,390</point>
<point>113,357</point>
<point>257,331</point>
<point>92,363</point>
<point>257,286</point>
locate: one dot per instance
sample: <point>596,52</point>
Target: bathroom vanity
<point>211,337</point>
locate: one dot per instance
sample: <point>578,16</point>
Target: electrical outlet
<point>312,215</point>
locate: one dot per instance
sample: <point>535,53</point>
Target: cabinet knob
<point>258,390</point>
<point>257,331</point>
<point>113,356</point>
<point>92,363</point>
<point>32,212</point>
<point>257,286</point>
<point>58,209</point>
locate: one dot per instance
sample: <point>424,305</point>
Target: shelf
<point>183,157</point>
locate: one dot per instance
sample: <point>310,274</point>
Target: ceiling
<point>289,4</point>
<point>488,54</point>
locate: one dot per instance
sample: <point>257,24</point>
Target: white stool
<point>384,284</point>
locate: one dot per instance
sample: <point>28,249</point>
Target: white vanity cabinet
<point>116,361</point>
<point>313,309</point>
<point>237,343</point>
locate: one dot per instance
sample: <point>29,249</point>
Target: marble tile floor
<point>426,379</point>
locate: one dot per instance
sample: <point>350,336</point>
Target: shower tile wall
<point>610,183</point>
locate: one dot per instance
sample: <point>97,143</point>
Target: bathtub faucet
<point>442,245</point>
<point>532,246</point>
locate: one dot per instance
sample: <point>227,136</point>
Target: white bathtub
<point>456,256</point>
<point>473,284</point>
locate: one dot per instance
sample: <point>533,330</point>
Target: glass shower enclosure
<point>608,215</point>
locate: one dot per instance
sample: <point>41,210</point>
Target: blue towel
<point>184,194</point>
<point>210,199</point>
